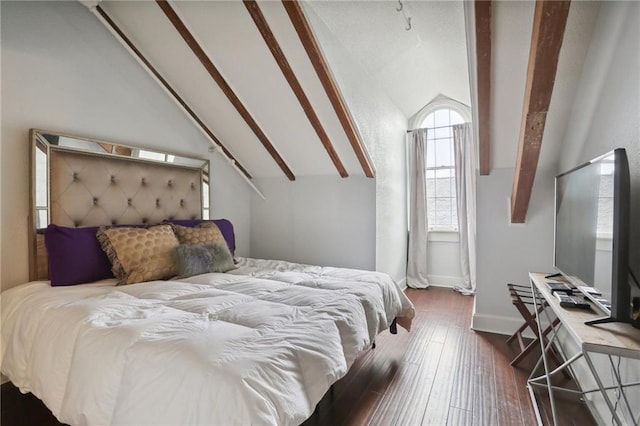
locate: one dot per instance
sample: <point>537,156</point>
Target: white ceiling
<point>511,39</point>
<point>413,67</point>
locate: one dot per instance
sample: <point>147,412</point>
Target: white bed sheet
<point>259,345</point>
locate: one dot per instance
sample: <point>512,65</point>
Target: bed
<point>259,343</point>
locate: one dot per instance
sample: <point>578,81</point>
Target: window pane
<point>446,172</point>
<point>431,184</point>
<point>443,132</point>
<point>429,121</point>
<point>443,153</point>
<point>456,118</point>
<point>454,213</point>
<point>431,211</point>
<point>431,154</point>
<point>443,187</point>
<point>441,117</point>
<point>443,212</point>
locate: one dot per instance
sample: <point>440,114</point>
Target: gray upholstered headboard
<point>88,188</point>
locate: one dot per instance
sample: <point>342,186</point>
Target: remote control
<point>568,301</point>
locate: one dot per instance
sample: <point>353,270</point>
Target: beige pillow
<point>139,254</point>
<point>204,233</point>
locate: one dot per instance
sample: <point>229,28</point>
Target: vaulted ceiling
<point>252,75</point>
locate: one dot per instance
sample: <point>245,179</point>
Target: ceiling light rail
<point>405,15</point>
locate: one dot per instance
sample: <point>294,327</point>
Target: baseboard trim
<point>444,280</point>
<point>497,324</point>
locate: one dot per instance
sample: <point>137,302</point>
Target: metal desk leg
<point>545,361</point>
<point>602,388</point>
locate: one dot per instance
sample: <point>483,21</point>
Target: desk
<point>612,340</point>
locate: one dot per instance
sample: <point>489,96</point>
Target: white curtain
<point>466,200</point>
<point>418,221</point>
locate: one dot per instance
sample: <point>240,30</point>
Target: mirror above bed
<point>80,182</point>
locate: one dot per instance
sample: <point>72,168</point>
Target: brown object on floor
<point>522,298</point>
<point>442,372</point>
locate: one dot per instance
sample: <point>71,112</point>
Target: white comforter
<point>260,345</point>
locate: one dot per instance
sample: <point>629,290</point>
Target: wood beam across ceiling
<point>289,75</point>
<point>224,86</point>
<point>483,64</point>
<point>104,16</point>
<point>549,23</point>
<point>302,27</point>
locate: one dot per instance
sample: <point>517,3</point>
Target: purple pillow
<point>225,226</point>
<point>75,256</point>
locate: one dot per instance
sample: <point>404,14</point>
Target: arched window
<point>441,184</point>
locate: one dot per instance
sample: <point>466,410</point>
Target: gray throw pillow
<point>192,259</point>
<point>222,258</point>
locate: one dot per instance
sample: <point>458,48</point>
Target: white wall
<point>382,127</point>
<point>322,220</point>
<point>443,263</point>
<point>63,71</point>
<point>508,252</point>
<point>606,115</point>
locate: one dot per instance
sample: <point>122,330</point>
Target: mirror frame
<point>91,146</point>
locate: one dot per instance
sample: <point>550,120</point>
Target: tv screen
<point>592,231</point>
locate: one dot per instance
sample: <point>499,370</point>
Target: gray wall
<point>318,220</point>
<point>382,127</point>
<point>607,116</point>
<point>508,252</point>
<point>63,71</point>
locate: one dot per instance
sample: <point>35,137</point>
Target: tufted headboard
<point>88,188</point>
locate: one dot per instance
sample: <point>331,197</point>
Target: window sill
<point>444,235</point>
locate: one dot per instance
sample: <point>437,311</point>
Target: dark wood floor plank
<point>437,408</point>
<point>464,386</point>
<point>485,395</point>
<point>405,400</point>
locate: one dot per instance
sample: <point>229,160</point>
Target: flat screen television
<point>591,238</point>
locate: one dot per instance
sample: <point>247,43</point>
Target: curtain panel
<point>466,200</point>
<point>417,253</point>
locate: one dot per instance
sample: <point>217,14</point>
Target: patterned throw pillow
<point>139,254</point>
<point>205,233</point>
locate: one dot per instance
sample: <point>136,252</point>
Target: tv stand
<point>603,340</point>
<point>603,320</point>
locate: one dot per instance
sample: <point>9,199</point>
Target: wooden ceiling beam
<point>224,86</point>
<point>549,23</point>
<point>483,64</point>
<point>302,27</point>
<point>165,84</point>
<point>271,41</point>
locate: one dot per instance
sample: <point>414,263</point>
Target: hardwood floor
<point>441,373</point>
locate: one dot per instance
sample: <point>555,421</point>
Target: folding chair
<point>522,297</point>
